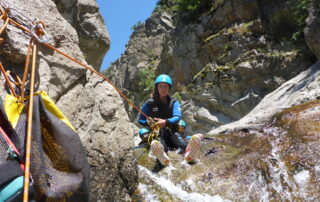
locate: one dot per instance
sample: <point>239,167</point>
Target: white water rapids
<point>175,191</point>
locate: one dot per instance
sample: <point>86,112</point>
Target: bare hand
<point>161,122</point>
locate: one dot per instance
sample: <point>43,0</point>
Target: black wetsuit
<point>168,136</point>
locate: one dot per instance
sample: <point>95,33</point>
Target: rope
<point>99,74</point>
<point>29,127</point>
<point>39,28</point>
<point>5,24</point>
<point>7,80</point>
<point>80,63</point>
<point>155,130</point>
<point>26,69</point>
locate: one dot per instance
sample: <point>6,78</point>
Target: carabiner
<point>38,26</point>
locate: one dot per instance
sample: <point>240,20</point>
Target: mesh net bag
<point>58,163</point>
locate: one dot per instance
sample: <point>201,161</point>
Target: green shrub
<point>187,10</point>
<point>107,72</point>
<point>178,96</point>
<point>300,12</point>
<point>146,78</point>
<point>189,5</point>
<point>134,27</point>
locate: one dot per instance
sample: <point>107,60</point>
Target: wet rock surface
<point>302,88</point>
<point>280,161</point>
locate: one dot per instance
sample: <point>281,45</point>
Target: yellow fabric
<point>51,107</point>
<point>13,108</point>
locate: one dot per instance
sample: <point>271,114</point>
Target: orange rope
<point>5,24</point>
<point>85,66</point>
<point>18,25</point>
<point>30,111</point>
<point>99,74</point>
<point>7,80</point>
<point>29,128</point>
<point>26,69</point>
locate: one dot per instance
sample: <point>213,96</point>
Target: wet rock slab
<point>280,161</point>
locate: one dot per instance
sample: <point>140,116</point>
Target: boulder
<point>312,30</point>
<point>302,88</point>
<point>84,16</point>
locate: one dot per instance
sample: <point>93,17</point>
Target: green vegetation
<point>227,47</point>
<point>300,13</point>
<point>202,73</point>
<point>107,72</point>
<point>206,40</point>
<point>134,27</point>
<point>176,5</point>
<point>151,55</point>
<point>216,4</point>
<point>146,78</point>
<point>178,96</point>
<point>187,9</point>
<point>223,72</point>
<point>189,5</point>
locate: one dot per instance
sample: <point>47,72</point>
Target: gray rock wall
<point>313,28</point>
<point>94,107</point>
<point>225,61</point>
<point>300,89</point>
<point>84,16</point>
<point>142,54</point>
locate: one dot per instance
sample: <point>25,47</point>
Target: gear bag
<point>58,164</point>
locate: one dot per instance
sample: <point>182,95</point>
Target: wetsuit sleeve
<point>176,113</point>
<point>142,119</point>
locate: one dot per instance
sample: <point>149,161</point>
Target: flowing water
<point>280,162</point>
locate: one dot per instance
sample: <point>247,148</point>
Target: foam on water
<point>177,191</point>
<point>302,177</point>
<point>281,182</point>
<point>148,196</point>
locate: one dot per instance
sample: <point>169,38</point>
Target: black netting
<point>9,167</point>
<point>58,162</point>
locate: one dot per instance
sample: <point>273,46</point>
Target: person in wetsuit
<point>166,112</point>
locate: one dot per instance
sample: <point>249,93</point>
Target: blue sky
<point>119,16</point>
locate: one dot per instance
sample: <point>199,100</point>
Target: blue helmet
<point>143,131</point>
<point>182,123</point>
<point>163,78</point>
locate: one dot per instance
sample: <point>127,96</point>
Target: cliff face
<point>83,15</point>
<point>313,27</point>
<point>247,75</point>
<point>135,69</point>
<point>76,28</point>
<point>225,58</point>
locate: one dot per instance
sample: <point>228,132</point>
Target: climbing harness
<point>38,33</point>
